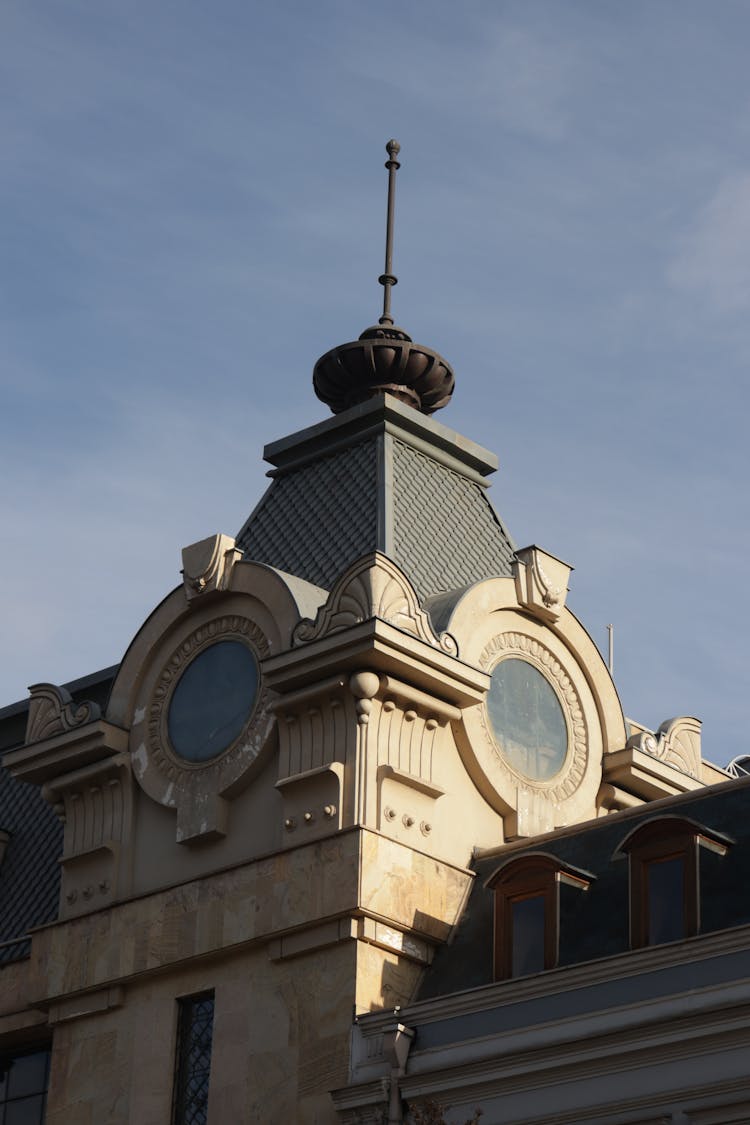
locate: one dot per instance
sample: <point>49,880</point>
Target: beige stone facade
<point>309,871</point>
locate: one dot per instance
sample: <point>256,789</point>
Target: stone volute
<point>384,358</point>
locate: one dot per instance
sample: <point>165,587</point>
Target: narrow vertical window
<point>194,1037</point>
<point>666,899</point>
<point>528,924</point>
<point>23,1088</point>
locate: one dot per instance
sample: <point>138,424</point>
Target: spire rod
<point>387,279</point>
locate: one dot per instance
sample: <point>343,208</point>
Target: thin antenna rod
<point>611,631</point>
<point>387,279</point>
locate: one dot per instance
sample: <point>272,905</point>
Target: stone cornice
<point>46,760</point>
<point>376,644</point>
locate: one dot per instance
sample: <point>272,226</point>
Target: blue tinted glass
<point>27,1074</point>
<point>527,916</point>
<point>212,701</point>
<point>27,1111</point>
<point>527,719</point>
<point>666,897</point>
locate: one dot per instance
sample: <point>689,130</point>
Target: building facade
<point>335,838</point>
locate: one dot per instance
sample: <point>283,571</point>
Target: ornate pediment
<point>52,711</point>
<point>373,587</point>
<point>677,742</point>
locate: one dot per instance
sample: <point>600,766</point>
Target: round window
<point>212,701</point>
<point>527,720</point>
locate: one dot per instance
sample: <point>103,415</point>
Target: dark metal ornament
<point>384,358</point>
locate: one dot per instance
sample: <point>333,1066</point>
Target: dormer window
<point>665,878</point>
<point>527,912</point>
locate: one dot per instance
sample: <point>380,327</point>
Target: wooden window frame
<point>658,840</point>
<point>529,876</point>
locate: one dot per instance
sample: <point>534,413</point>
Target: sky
<point>192,210</point>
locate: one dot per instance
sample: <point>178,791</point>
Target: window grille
<point>193,1063</point>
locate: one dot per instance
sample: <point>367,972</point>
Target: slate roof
<point>313,522</point>
<point>446,533</point>
<point>380,477</point>
<point>596,924</point>
<point>30,872</point>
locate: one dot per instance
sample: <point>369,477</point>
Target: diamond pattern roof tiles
<point>314,521</point>
<point>433,518</point>
<point>30,874</point>
<point>446,533</point>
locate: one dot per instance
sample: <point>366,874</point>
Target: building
<point>253,872</point>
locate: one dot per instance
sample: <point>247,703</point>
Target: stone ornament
<point>677,742</point>
<point>566,780</point>
<point>207,565</point>
<point>52,711</point>
<point>541,582</point>
<point>373,587</point>
<point>554,777</point>
<point>198,789</point>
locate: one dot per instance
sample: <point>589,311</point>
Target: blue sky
<point>192,210</point>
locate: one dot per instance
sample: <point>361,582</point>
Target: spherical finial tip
<point>393,148</point>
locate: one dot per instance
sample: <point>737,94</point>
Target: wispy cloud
<point>505,74</point>
<point>713,259</point>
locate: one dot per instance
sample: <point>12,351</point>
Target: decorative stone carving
<point>644,741</point>
<point>95,804</point>
<point>541,582</point>
<point>565,783</point>
<point>365,1104</point>
<point>373,587</point>
<point>677,742</point>
<point>197,790</point>
<point>680,744</point>
<point>207,565</point>
<point>368,726</point>
<point>52,711</point>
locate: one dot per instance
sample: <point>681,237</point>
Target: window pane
<point>195,1033</point>
<point>213,700</point>
<point>527,720</point>
<point>27,1111</point>
<point>666,898</point>
<point>27,1074</point>
<point>527,925</point>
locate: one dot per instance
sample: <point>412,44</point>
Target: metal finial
<point>387,279</point>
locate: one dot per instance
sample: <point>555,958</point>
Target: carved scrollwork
<point>564,784</point>
<point>644,741</point>
<point>373,587</point>
<point>52,711</point>
<point>677,742</point>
